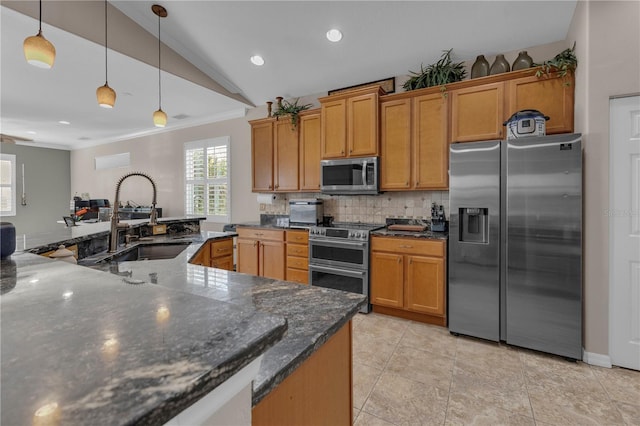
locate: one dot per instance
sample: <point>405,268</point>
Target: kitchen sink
<point>148,252</point>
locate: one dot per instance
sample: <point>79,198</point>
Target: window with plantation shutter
<point>7,185</point>
<point>207,171</point>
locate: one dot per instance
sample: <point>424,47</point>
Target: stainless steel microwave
<point>350,176</point>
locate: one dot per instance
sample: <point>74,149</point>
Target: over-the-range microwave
<point>350,176</point>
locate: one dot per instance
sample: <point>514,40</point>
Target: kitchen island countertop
<point>140,343</point>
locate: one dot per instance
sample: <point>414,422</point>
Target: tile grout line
<point>606,391</point>
<point>526,385</point>
<point>455,360</point>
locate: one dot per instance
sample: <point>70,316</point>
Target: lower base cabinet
<point>261,252</point>
<point>216,254</point>
<point>408,278</point>
<point>298,256</point>
<point>318,392</point>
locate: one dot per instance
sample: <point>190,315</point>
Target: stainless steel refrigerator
<point>515,242</point>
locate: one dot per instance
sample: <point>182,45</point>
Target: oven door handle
<point>334,243</point>
<point>333,270</point>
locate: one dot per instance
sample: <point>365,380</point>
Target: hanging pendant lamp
<point>105,94</point>
<point>159,117</point>
<point>38,50</point>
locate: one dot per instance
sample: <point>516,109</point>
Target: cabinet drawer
<point>408,246</point>
<point>221,248</point>
<point>225,262</point>
<point>298,237</point>
<point>261,234</point>
<point>297,250</point>
<point>297,276</point>
<point>297,262</point>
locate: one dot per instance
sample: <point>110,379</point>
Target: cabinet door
<point>425,285</point>
<point>203,255</point>
<point>272,259</point>
<point>552,96</point>
<point>285,158</point>
<point>362,125</point>
<point>431,145</point>
<point>248,254</point>
<point>333,135</point>
<point>477,113</point>
<point>262,156</point>
<point>386,279</point>
<point>310,152</point>
<point>395,144</point>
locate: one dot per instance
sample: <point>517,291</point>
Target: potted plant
<point>290,109</point>
<point>442,72</point>
<point>563,63</point>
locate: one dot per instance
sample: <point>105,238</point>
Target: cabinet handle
<point>350,150</point>
<point>406,184</point>
<point>255,243</point>
<point>342,152</point>
<point>404,246</point>
<point>269,186</point>
<point>399,260</point>
<point>417,183</point>
<point>410,261</point>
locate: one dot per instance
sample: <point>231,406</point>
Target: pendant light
<point>105,94</point>
<point>159,117</point>
<point>38,50</point>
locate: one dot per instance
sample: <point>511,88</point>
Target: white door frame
<point>624,218</point>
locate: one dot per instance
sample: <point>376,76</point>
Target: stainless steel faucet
<point>153,219</point>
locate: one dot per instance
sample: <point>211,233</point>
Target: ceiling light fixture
<point>334,35</point>
<point>159,117</point>
<point>64,122</point>
<point>257,60</point>
<point>38,50</point>
<point>105,94</point>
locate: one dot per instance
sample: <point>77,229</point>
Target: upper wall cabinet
<point>480,107</point>
<point>262,155</point>
<point>274,155</point>
<point>413,141</point>
<point>310,151</point>
<point>349,123</point>
<point>553,96</point>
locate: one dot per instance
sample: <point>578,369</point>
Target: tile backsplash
<point>368,208</point>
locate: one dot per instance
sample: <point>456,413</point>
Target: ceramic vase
<point>480,67</point>
<point>523,61</point>
<point>499,66</point>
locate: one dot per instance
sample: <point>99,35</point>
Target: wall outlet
<point>159,229</point>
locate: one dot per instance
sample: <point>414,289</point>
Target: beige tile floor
<point>407,373</point>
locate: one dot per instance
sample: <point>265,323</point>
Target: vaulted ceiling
<point>207,75</point>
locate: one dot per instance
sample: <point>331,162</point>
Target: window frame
<point>203,145</point>
<point>11,158</point>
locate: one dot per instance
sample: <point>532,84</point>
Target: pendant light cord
<point>159,78</point>
<point>106,68</point>
<point>40,23</point>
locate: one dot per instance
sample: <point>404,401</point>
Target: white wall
<point>608,48</point>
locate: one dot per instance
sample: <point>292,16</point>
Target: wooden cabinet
<point>72,248</point>
<point>262,155</point>
<point>477,112</point>
<point>216,253</point>
<point>310,151</point>
<point>261,252</point>
<point>551,95</point>
<point>414,145</point>
<point>408,278</point>
<point>298,256</point>
<point>479,108</point>
<point>274,155</point>
<point>349,123</point>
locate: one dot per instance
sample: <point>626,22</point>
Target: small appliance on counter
<point>528,122</point>
<point>438,220</point>
<point>306,212</point>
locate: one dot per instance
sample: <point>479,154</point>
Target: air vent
<point>180,116</point>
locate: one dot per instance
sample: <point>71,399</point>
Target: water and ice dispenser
<point>474,225</point>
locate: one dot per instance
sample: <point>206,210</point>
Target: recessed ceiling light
<point>63,122</point>
<point>31,132</point>
<point>334,35</point>
<point>257,60</point>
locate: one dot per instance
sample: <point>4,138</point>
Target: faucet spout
<point>153,219</point>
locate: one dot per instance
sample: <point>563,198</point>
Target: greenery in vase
<point>564,62</point>
<point>442,72</point>
<point>291,109</point>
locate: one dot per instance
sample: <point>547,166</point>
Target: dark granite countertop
<point>411,234</point>
<point>98,346</point>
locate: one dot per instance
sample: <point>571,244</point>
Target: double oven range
<point>339,257</point>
